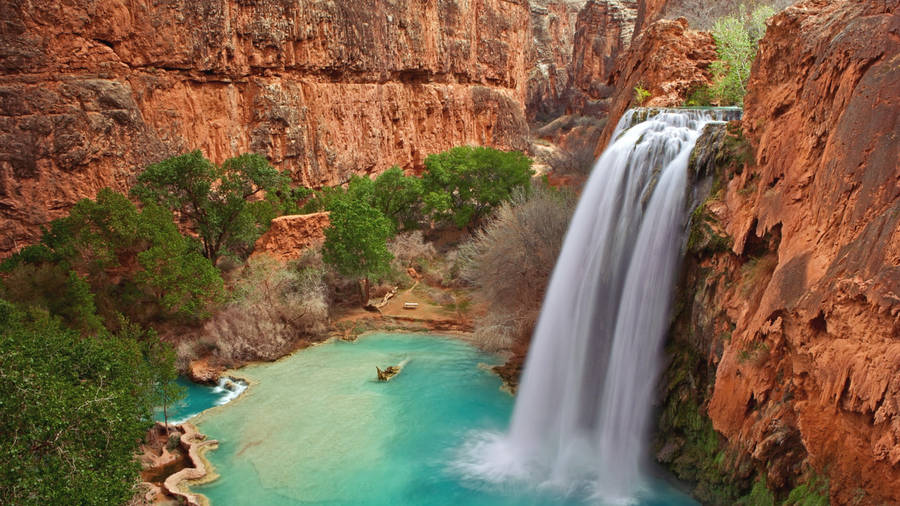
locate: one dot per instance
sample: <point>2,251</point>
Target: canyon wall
<point>668,60</point>
<point>92,91</point>
<point>788,330</point>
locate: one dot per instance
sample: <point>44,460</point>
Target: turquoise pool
<point>316,428</point>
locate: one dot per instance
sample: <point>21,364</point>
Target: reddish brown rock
<point>289,236</point>
<point>603,32</point>
<point>91,91</point>
<point>201,371</point>
<point>668,60</point>
<point>811,372</point>
<point>648,12</point>
<point>553,28</point>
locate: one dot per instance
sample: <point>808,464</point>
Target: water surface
<point>316,428</point>
<point>198,398</point>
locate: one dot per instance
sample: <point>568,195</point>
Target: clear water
<point>318,429</point>
<point>198,398</point>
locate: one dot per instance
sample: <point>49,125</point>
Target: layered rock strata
<point>92,91</point>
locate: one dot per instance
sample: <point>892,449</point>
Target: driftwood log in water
<point>388,373</point>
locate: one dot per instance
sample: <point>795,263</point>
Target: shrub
<point>463,185</point>
<point>510,261</point>
<point>641,94</point>
<point>274,305</point>
<point>736,40</point>
<point>410,249</point>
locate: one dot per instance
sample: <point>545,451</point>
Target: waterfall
<point>585,400</point>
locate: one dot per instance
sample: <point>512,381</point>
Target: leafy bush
<point>216,200</point>
<point>72,409</point>
<point>274,305</point>
<point>641,94</point>
<point>736,40</point>
<point>463,185</point>
<point>108,257</point>
<point>510,261</point>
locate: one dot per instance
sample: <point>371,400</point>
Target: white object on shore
<point>410,305</point>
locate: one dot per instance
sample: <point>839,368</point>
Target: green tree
<point>72,411</point>
<point>356,242</point>
<point>464,184</point>
<point>737,38</point>
<point>399,197</point>
<point>160,356</point>
<point>111,258</point>
<point>216,199</point>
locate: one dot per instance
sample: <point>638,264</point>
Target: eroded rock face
<point>603,33</point>
<point>290,236</point>
<point>553,27</point>
<point>92,91</point>
<point>796,302</point>
<point>668,60</point>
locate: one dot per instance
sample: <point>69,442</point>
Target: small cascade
<point>229,389</point>
<point>585,400</point>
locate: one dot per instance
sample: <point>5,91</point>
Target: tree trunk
<point>364,291</point>
<point>166,412</point>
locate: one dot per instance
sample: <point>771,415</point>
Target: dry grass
<point>273,307</point>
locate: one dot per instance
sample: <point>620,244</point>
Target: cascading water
<point>585,399</point>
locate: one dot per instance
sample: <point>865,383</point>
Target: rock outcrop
<point>553,27</point>
<point>668,60</point>
<point>289,236</point>
<point>91,91</point>
<point>603,32</point>
<point>791,302</point>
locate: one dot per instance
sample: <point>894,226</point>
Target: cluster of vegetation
<point>510,261</point>
<point>736,39</point>
<point>109,258</point>
<point>460,187</point>
<point>641,94</point>
<point>272,306</point>
<point>81,369</point>
<point>74,406</point>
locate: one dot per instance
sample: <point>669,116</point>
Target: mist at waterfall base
<point>581,421</point>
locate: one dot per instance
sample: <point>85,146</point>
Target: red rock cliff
<point>800,315</point>
<point>92,91</point>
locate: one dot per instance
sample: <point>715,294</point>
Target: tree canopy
<point>72,409</point>
<point>216,200</point>
<point>108,257</point>
<point>464,184</point>
<point>356,241</point>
